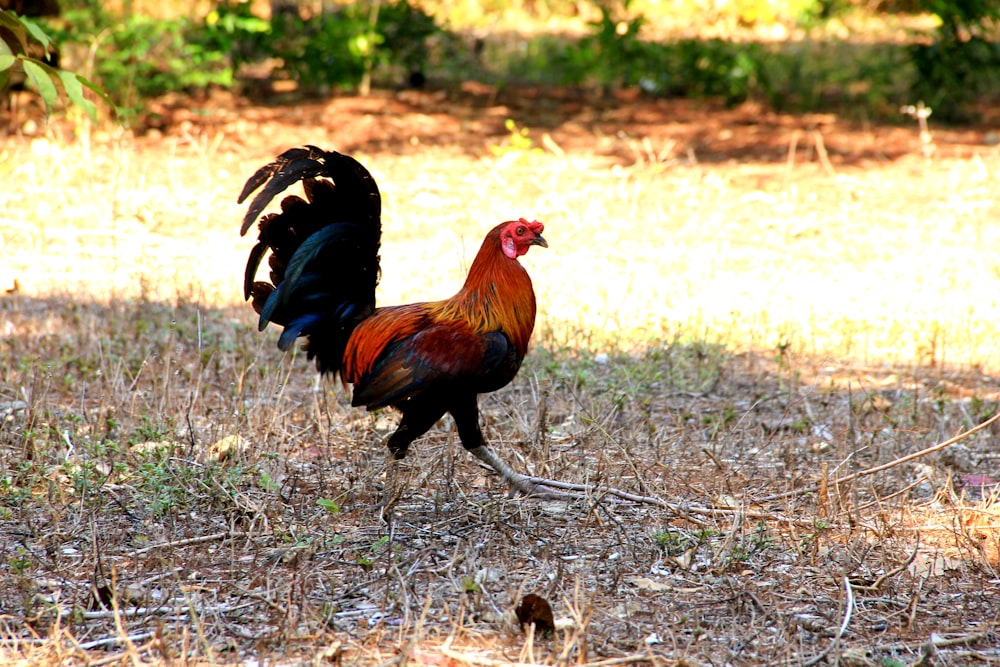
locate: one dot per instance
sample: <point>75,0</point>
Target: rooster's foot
<point>526,486</point>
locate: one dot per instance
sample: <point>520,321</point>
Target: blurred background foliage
<point>861,58</point>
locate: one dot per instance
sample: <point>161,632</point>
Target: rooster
<point>424,359</point>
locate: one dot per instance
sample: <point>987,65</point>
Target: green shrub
<point>18,38</point>
<point>233,29</point>
<point>337,49</point>
<point>698,68</point>
<point>332,50</point>
<point>615,44</point>
<point>716,68</point>
<point>406,31</point>
<point>137,57</point>
<point>962,65</point>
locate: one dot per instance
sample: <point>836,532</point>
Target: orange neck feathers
<point>497,295</point>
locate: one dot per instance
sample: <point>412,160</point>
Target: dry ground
<point>739,311</point>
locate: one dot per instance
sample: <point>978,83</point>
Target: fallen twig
<point>188,541</point>
<point>848,610</point>
<point>134,612</point>
<point>119,657</point>
<point>114,641</point>
<point>893,572</point>
<point>590,491</point>
<point>263,598</point>
<point>480,660</point>
<point>886,466</point>
<point>86,646</point>
<point>938,642</point>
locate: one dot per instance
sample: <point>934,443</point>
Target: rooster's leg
<point>466,414</point>
<point>418,417</point>
<point>518,482</point>
<point>417,420</point>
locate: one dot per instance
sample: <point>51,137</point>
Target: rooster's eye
<point>520,231</point>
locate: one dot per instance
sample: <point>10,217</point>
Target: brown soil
<point>473,117</point>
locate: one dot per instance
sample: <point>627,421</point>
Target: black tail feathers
<point>324,249</point>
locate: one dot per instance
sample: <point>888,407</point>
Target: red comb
<point>535,226</point>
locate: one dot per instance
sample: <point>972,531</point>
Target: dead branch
<point>188,541</point>
<point>848,610</point>
<point>682,509</point>
<point>893,572</point>
<point>937,642</point>
<point>887,466</point>
<point>480,660</point>
<point>115,641</point>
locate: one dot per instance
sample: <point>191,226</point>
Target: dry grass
<point>732,337</point>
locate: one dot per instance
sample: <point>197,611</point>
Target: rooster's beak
<point>540,240</point>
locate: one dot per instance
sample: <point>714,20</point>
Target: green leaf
<point>329,505</point>
<point>43,77</point>
<point>74,91</point>
<point>94,88</point>
<point>35,31</point>
<point>12,31</point>
<point>6,61</point>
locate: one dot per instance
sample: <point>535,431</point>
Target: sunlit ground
<point>884,263</point>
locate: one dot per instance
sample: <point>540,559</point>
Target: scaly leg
<point>466,414</point>
<point>517,481</point>
<point>417,420</point>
